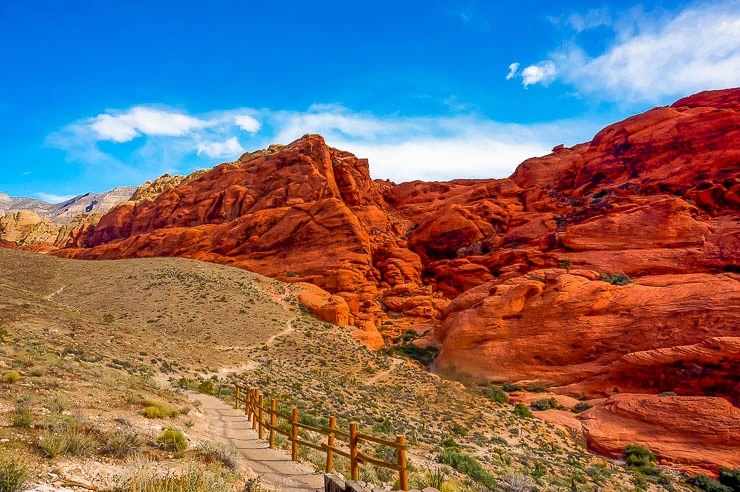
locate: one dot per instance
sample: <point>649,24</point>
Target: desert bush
<point>467,464</point>
<point>495,394</point>
<point>424,355</point>
<point>638,456</point>
<point>511,387</point>
<point>22,416</point>
<point>703,482</point>
<point>216,452</point>
<point>154,410</point>
<point>12,474</point>
<point>66,441</point>
<point>522,410</point>
<point>172,440</point>
<point>581,407</point>
<point>116,443</point>
<point>58,403</point>
<point>730,477</point>
<point>432,478</point>
<point>565,264</point>
<point>545,404</point>
<point>11,377</point>
<point>516,482</point>
<point>207,388</point>
<point>615,278</point>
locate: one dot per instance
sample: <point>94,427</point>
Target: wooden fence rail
<point>266,419</point>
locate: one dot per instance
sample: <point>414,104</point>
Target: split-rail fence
<point>265,420</point>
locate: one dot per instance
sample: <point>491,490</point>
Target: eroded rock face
<point>703,432</point>
<point>508,272</point>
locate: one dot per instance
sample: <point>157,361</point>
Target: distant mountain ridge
<point>64,212</point>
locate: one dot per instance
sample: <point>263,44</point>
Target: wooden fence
<point>265,420</point>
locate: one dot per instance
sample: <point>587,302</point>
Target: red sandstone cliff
<point>509,272</point>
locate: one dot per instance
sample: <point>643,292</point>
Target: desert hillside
<point>96,342</point>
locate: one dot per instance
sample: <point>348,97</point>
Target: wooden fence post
<point>236,396</point>
<point>330,444</point>
<point>294,435</point>
<point>403,472</point>
<point>353,452</point>
<point>254,408</point>
<point>260,427</point>
<point>273,422</point>
<point>247,403</point>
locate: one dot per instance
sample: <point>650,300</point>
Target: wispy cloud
<point>52,198</point>
<point>651,56</point>
<point>513,70</point>
<point>580,22</point>
<point>228,148</point>
<point>400,148</point>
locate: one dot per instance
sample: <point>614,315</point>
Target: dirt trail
<point>230,426</point>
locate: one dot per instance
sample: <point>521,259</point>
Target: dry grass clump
<point>193,479</point>
<point>13,474</point>
<point>215,452</point>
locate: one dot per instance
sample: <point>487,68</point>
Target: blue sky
<point>98,94</point>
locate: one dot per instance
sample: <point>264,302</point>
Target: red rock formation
<point>506,270</point>
<point>703,434</point>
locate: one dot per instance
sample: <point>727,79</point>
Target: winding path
<point>230,426</point>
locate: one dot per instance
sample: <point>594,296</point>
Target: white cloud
<point>52,198</point>
<point>228,148</point>
<point>123,127</point>
<point>435,148</point>
<point>656,56</point>
<point>247,123</point>
<point>542,73</point>
<point>513,69</point>
<point>400,148</point>
<point>580,22</point>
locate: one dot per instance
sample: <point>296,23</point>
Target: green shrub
<point>207,388</point>
<point>565,264</point>
<point>615,278</point>
<point>545,404</point>
<point>22,418</point>
<point>522,410</point>
<point>707,484</point>
<point>730,477</point>
<point>108,318</point>
<point>537,388</point>
<point>172,440</point>
<point>11,377</point>
<point>424,355</point>
<point>467,464</point>
<point>495,394</point>
<point>449,443</point>
<point>12,474</point>
<point>67,441</point>
<point>638,456</point>
<point>581,406</point>
<point>511,387</point>
<point>154,410</point>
